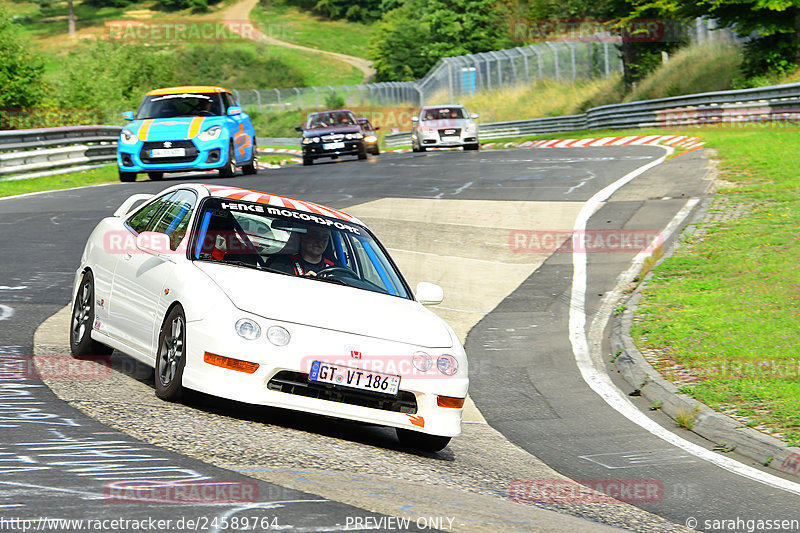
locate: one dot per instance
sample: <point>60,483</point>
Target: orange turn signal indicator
<point>448,401</point>
<point>230,363</point>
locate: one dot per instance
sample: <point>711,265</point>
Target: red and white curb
<point>677,141</point>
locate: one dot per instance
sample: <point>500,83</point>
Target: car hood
<point>319,132</point>
<point>330,306</point>
<point>170,129</point>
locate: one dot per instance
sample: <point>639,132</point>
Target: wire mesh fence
<point>453,77</point>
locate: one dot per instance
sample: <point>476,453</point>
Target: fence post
<point>258,98</point>
<point>555,59</point>
<point>572,58</point>
<point>299,106</point>
<point>605,53</point>
<point>278,92</point>
<point>449,77</point>
<point>316,96</point>
<point>538,61</point>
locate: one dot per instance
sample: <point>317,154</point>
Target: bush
<point>21,69</point>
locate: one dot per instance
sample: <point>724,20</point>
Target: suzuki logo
<point>167,144</point>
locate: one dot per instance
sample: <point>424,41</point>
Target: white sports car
<point>269,300</point>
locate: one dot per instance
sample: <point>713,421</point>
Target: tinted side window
<point>145,216</point>
<point>227,99</point>
<point>174,218</point>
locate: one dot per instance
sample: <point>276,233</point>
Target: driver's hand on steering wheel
<point>310,273</point>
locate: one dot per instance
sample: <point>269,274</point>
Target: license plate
<point>333,146</point>
<point>354,378</point>
<point>168,152</point>
<point>451,139</point>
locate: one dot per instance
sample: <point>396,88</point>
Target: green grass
<point>317,70</point>
<point>725,306</point>
<point>106,174</point>
<point>293,25</point>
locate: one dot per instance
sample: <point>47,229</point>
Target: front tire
<point>229,169</point>
<point>127,177</point>
<point>475,146</point>
<point>362,153</point>
<point>155,176</point>
<point>171,356</point>
<point>82,322</point>
<point>307,161</point>
<point>421,441</point>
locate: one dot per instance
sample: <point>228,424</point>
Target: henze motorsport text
<point>288,213</point>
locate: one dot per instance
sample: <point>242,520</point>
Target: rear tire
<point>156,176</point>
<point>82,322</point>
<point>421,441</point>
<point>127,177</point>
<point>422,149</point>
<point>252,166</point>
<point>229,169</point>
<point>171,356</point>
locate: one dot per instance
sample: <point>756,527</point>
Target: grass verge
<point>720,317</point>
<point>106,174</point>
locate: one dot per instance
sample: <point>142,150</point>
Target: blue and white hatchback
<point>180,129</point>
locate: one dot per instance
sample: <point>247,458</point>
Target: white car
<point>444,126</point>
<point>189,283</point>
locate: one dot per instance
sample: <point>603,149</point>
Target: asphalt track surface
<point>524,378</point>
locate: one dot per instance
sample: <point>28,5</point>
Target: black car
<point>370,136</point>
<point>332,134</point>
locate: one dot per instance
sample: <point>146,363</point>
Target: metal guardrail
<point>762,104</point>
<point>49,151</point>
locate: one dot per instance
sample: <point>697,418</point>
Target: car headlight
<point>422,361</point>
<point>248,329</point>
<point>371,139</point>
<point>126,136</point>
<point>278,336</point>
<point>447,365</point>
<point>210,134</point>
<point>310,140</point>
<point>353,136</point>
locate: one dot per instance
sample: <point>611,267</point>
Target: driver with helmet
<point>309,261</point>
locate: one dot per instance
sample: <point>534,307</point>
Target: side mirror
<point>415,119</point>
<point>429,293</point>
<point>234,110</point>
<point>298,128</point>
<point>155,243</point>
<point>127,115</point>
<point>474,116</point>
<point>377,128</point>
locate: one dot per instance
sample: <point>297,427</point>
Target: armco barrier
<point>48,151</point>
<point>33,153</point>
<point>762,104</point>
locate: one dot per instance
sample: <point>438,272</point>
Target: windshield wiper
<point>328,280</point>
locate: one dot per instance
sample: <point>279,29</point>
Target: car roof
<point>276,200</point>
<point>189,89</point>
<point>443,106</point>
<point>331,111</point>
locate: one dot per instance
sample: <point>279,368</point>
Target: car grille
<point>297,383</point>
<point>333,137</point>
<point>191,152</point>
<point>450,132</point>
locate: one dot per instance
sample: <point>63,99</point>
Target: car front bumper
<point>198,155</point>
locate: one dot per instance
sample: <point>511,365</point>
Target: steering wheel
<point>334,269</point>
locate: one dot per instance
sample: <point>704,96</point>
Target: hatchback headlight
<point>371,138</point>
<point>248,329</point>
<point>278,336</point>
<point>126,136</point>
<point>211,134</point>
<point>353,136</point>
<point>422,361</point>
<point>447,365</point>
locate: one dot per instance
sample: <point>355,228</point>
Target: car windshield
<point>294,242</point>
<point>330,119</point>
<point>180,105</point>
<point>442,113</point>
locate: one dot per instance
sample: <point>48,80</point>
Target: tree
<point>409,40</point>
<point>21,70</point>
<point>772,27</point>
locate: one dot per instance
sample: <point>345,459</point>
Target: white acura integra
<point>206,284</point>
